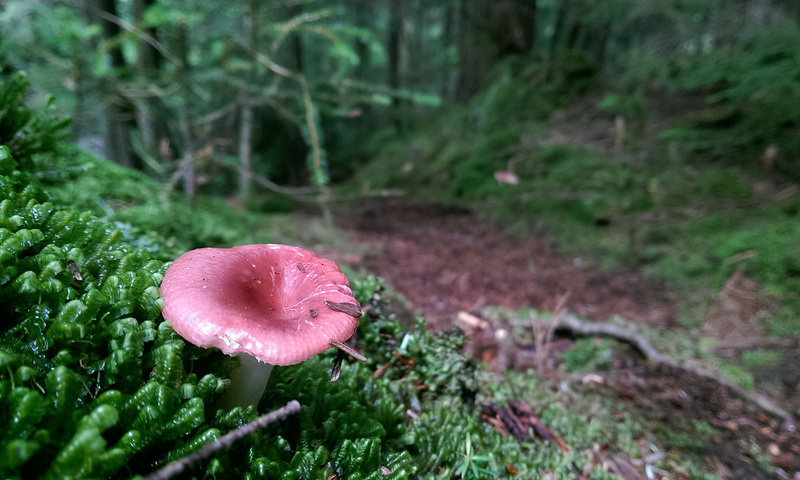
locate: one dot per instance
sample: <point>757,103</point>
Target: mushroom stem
<point>248,383</point>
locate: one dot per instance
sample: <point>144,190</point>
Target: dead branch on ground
<point>543,332</point>
<point>580,328</point>
<point>225,441</point>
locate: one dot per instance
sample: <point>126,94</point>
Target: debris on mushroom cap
<point>278,303</point>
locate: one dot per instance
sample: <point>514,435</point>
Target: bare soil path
<point>446,260</point>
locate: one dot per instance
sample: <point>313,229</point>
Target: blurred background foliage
<point>213,92</point>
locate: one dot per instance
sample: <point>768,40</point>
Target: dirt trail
<point>445,260</point>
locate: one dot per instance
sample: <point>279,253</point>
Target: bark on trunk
<point>148,65</point>
<point>187,170</point>
<point>246,120</point>
<point>395,38</point>
<point>119,112</point>
<point>245,152</point>
<point>491,31</point>
<point>447,89</point>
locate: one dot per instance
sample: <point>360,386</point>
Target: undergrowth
<point>148,215</point>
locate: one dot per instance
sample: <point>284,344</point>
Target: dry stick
<point>543,332</point>
<point>313,134</point>
<point>187,159</point>
<point>136,31</point>
<point>225,441</point>
<point>598,329</point>
<point>345,348</point>
<point>269,185</point>
<point>299,192</point>
<point>294,23</point>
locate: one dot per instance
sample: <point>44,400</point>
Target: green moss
<point>587,353</point>
<point>762,358</point>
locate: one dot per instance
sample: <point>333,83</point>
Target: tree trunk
<point>80,70</point>
<point>447,89</point>
<point>148,60</point>
<point>363,18</point>
<point>395,38</point>
<point>394,54</point>
<point>246,120</point>
<point>491,31</point>
<point>120,114</point>
<point>575,27</point>
<point>187,169</point>
<point>148,66</point>
<point>558,29</point>
<point>245,152</point>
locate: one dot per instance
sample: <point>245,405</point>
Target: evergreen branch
<point>225,441</point>
<point>270,185</point>
<point>134,30</point>
<point>296,22</point>
<point>323,32</point>
<point>313,134</point>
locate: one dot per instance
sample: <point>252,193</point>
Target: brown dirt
<point>447,260</point>
<point>676,400</point>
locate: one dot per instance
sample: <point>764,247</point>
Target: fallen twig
<point>520,420</point>
<point>176,467</point>
<point>543,332</point>
<point>578,327</point>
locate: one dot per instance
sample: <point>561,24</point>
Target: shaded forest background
<point>287,92</point>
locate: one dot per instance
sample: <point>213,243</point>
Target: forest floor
<point>444,261</point>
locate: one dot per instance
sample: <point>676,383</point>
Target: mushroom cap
<point>278,303</point>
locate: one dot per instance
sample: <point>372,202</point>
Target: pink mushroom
<point>506,176</point>
<point>267,304</point>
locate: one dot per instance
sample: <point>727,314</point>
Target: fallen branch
<point>543,332</point>
<point>225,441</point>
<point>580,328</point>
<point>520,420</point>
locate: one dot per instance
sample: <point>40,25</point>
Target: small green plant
<point>762,358</point>
<point>630,106</point>
<point>587,353</point>
<point>474,466</point>
<point>736,374</point>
